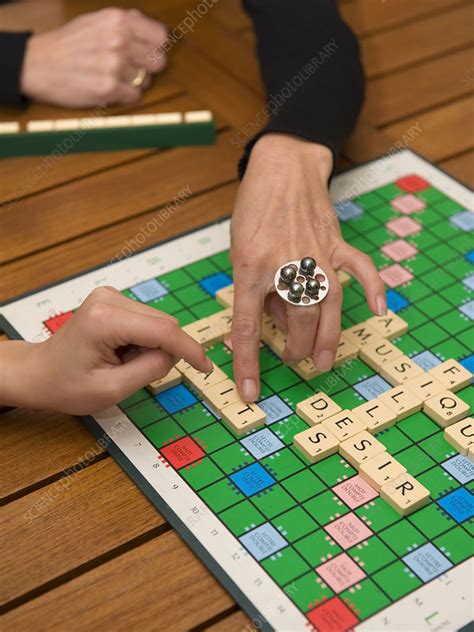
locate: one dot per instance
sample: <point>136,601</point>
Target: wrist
<point>21,371</point>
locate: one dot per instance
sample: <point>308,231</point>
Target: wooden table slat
<point>461,167</point>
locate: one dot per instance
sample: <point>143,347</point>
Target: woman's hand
<point>93,59</point>
<point>283,212</point>
<point>110,348</point>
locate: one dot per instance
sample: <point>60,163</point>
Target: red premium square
<point>182,452</point>
<point>332,616</point>
<point>55,323</point>
<point>412,184</point>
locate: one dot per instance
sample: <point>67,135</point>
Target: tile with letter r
<point>263,541</point>
<point>149,290</point>
<point>262,443</point>
<point>463,220</point>
<point>395,275</point>
<point>427,562</point>
<point>458,504</point>
<point>252,479</point>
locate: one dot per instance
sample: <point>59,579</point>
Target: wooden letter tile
<point>316,408</point>
<point>400,370</point>
<point>223,320</point>
<point>446,408</point>
<point>361,335</point>
<point>461,435</point>
<point>344,425</point>
<point>345,351</point>
<point>360,448</point>
<point>343,278</point>
<point>306,369</point>
<point>424,386</point>
<point>222,394</point>
<point>225,296</point>
<point>242,417</point>
<point>380,470</point>
<point>378,353</point>
<point>402,401</point>
<point>171,379</point>
<point>452,374</point>
<point>389,326</point>
<point>204,331</point>
<point>201,381</point>
<point>316,443</point>
<point>405,494</point>
<point>375,415</point>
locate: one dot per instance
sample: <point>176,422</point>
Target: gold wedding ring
<point>139,79</point>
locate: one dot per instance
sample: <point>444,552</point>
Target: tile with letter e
<point>149,290</point>
<point>252,479</point>
<point>176,398</point>
<point>262,443</point>
<point>344,425</point>
<point>427,562</point>
<point>263,541</point>
<point>458,504</point>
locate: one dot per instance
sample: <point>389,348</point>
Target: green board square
<point>202,474</point>
<point>431,520</point>
<point>294,524</point>
<point>222,260</point>
<point>450,348</point>
<point>445,231</point>
<point>242,518</point>
<point>168,304</point>
<point>380,237</point>
<point>268,360</point>
<point>417,426</point>
<point>348,398</point>
<point>296,394</point>
<point>191,295</point>
<point>438,279</point>
<point>393,439</point>
<point>219,354</point>
<point>206,308</point>
<point>437,447</point>
<point>273,501</point>
<point>330,382</point>
<point>467,395</point>
<point>176,279</point>
<point>377,514</point>
<point>396,580</point>
<point>402,537</point>
<point>438,482</point>
<point>325,507</point>
<point>457,294</point>
<point>454,322</point>
<point>350,299</point>
<point>429,334</point>
<point>194,418</point>
<point>371,555</point>
<point>136,397</point>
<point>369,200</point>
<point>282,464</point>
<point>286,429</point>
<point>465,338</point>
<point>232,458</point>
<point>431,195</point>
<point>162,432</point>
<point>456,544</point>
<point>145,412</point>
<point>303,485</point>
<point>423,240</point>
<point>333,470</point>
<point>280,378</point>
<point>355,371</point>
<point>316,547</point>
<point>415,290</point>
<point>213,437</point>
<point>201,269</point>
<point>365,598</point>
<point>415,460</point>
<point>413,317</point>
<point>220,495</point>
<point>390,191</point>
<point>306,591</point>
<point>434,306</point>
<point>419,264</point>
<point>285,566</point>
<point>442,253</point>
<point>409,345</point>
<point>364,223</point>
<point>361,312</point>
<point>185,317</point>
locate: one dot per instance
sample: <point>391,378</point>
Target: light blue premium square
<point>469,281</point>
<point>468,309</point>
<point>346,210</point>
<point>427,562</point>
<point>458,504</point>
<point>372,387</point>
<point>215,282</point>
<point>252,479</point>
<point>263,541</point>
<point>426,360</point>
<point>262,443</point>
<point>149,290</point>
<point>275,409</point>
<point>176,398</point>
<point>461,468</point>
<point>463,220</point>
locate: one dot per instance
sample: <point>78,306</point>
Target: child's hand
<point>110,348</point>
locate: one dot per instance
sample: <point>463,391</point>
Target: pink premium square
<point>395,275</point>
<point>355,492</point>
<point>399,250</point>
<point>407,204</point>
<point>340,572</point>
<point>403,226</point>
<point>348,530</point>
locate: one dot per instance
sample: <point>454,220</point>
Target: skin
<point>92,59</point>
<point>283,212</point>
<point>110,348</point>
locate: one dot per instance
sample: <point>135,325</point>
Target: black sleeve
<point>311,68</point>
<point>12,52</point>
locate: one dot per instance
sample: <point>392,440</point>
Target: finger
<point>329,328</point>
<point>143,55</point>
<point>125,93</point>
<point>147,29</point>
<point>111,296</point>
<point>278,312</point>
<point>143,369</point>
<point>362,267</point>
<point>246,327</point>
<point>302,325</point>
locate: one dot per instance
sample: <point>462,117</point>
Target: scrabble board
<point>301,544</point>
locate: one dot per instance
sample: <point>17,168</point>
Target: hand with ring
<point>104,57</point>
<point>283,214</point>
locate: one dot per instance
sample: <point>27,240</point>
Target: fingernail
<point>381,304</point>
<point>324,360</point>
<point>249,390</point>
<point>210,366</point>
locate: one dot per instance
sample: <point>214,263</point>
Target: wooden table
<point>97,553</point>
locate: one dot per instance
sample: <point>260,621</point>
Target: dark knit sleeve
<point>311,68</point>
<point>12,52</point>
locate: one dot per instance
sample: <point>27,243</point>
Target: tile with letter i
<point>222,394</point>
<point>380,470</point>
<point>453,375</point>
<point>446,408</point>
<point>316,443</point>
<point>204,331</point>
<point>316,408</point>
<point>360,448</point>
<point>405,494</point>
<point>424,386</point>
<point>461,435</point>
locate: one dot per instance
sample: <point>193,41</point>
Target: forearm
<point>311,69</point>
<point>12,53</point>
<point>20,371</point>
